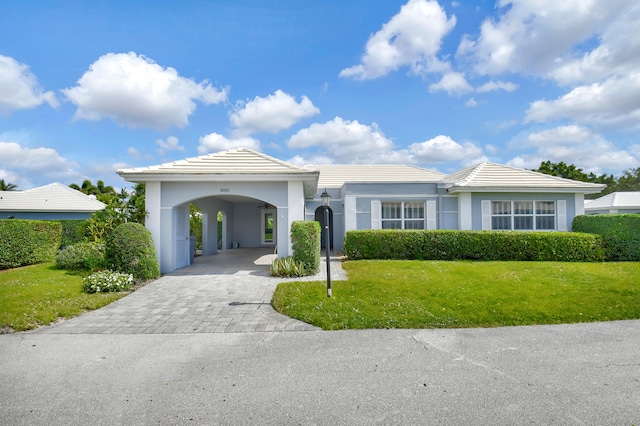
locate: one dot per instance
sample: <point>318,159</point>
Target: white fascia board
<point>205,177</point>
<point>461,190</point>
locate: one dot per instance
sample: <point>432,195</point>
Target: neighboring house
<point>50,202</point>
<point>259,196</point>
<point>616,202</point>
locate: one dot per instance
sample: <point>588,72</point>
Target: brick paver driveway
<point>229,292</point>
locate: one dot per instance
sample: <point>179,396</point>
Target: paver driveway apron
<point>229,292</point>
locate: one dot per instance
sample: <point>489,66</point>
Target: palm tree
<point>7,186</point>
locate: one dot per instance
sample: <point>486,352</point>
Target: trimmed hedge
<point>620,234</point>
<point>305,242</point>
<point>473,245</point>
<point>73,232</point>
<point>130,250</point>
<point>26,242</point>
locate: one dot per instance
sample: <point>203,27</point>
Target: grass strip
<point>40,294</point>
<point>441,294</point>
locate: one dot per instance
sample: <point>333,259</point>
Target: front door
<point>268,227</point>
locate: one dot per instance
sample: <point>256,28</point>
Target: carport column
<point>153,198</point>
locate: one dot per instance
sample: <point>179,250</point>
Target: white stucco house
<point>49,202</point>
<point>260,196</point>
<point>616,202</point>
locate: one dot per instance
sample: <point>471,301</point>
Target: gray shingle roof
<point>334,176</point>
<point>54,197</point>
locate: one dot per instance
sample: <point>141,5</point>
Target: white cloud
<point>412,37</point>
<point>271,114</point>
<point>442,149</point>
<point>134,153</point>
<point>497,85</point>
<point>471,103</point>
<point>19,88</point>
<point>346,141</point>
<point>452,83</point>
<point>533,36</point>
<point>171,144</point>
<point>614,102</point>
<point>577,145</point>
<point>214,142</point>
<point>136,92</point>
<point>25,163</point>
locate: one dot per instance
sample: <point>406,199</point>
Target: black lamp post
<point>326,199</point>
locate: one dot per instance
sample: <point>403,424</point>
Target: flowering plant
<point>107,281</point>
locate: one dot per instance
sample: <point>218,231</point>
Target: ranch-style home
<point>49,202</point>
<point>258,197</point>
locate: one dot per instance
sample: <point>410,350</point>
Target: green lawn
<point>40,294</point>
<point>439,294</point>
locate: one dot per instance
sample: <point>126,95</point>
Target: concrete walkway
<point>229,292</point>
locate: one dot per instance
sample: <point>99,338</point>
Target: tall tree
<point>6,186</point>
<point>630,180</point>
<point>103,193</point>
<point>570,171</point>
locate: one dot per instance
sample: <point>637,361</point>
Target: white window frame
<point>512,215</point>
<point>402,219</point>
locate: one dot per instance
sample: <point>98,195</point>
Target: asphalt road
<point>584,374</point>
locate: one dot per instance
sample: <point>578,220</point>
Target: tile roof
<point>496,177</point>
<point>54,197</point>
<point>615,200</point>
<point>239,161</point>
<point>334,176</point>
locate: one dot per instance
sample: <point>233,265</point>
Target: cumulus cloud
<point>534,35</point>
<point>442,149</point>
<point>136,92</point>
<point>348,141</point>
<point>276,112</point>
<point>614,102</point>
<point>24,162</point>
<point>171,144</point>
<point>497,85</point>
<point>214,142</point>
<point>19,88</point>
<point>452,83</point>
<point>577,145</point>
<point>411,38</point>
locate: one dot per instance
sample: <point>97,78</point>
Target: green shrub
<point>473,245</point>
<point>305,242</point>
<point>287,267</point>
<point>107,282</point>
<point>73,232</point>
<point>620,234</point>
<point>129,249</point>
<point>81,256</point>
<point>26,242</point>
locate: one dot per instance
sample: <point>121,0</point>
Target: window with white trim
<point>403,215</point>
<point>523,215</point>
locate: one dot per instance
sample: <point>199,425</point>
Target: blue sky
<point>87,88</point>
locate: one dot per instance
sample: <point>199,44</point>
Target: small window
<point>403,215</point>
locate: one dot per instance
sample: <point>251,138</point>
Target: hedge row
<point>305,243</point>
<point>473,245</point>
<point>73,231</point>
<point>620,234</point>
<point>26,242</point>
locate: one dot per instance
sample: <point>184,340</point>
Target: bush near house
<point>73,232</point>
<point>473,245</point>
<point>305,242</point>
<point>26,242</point>
<point>620,234</point>
<point>81,256</point>
<point>129,249</point>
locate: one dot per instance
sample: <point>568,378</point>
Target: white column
<point>153,200</point>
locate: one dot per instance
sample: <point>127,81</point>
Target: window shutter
<point>486,215</point>
<point>562,215</point>
<point>376,214</point>
<point>432,222</point>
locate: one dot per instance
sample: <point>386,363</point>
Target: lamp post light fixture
<point>326,199</point>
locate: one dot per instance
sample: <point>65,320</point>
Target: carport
<point>257,196</point>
